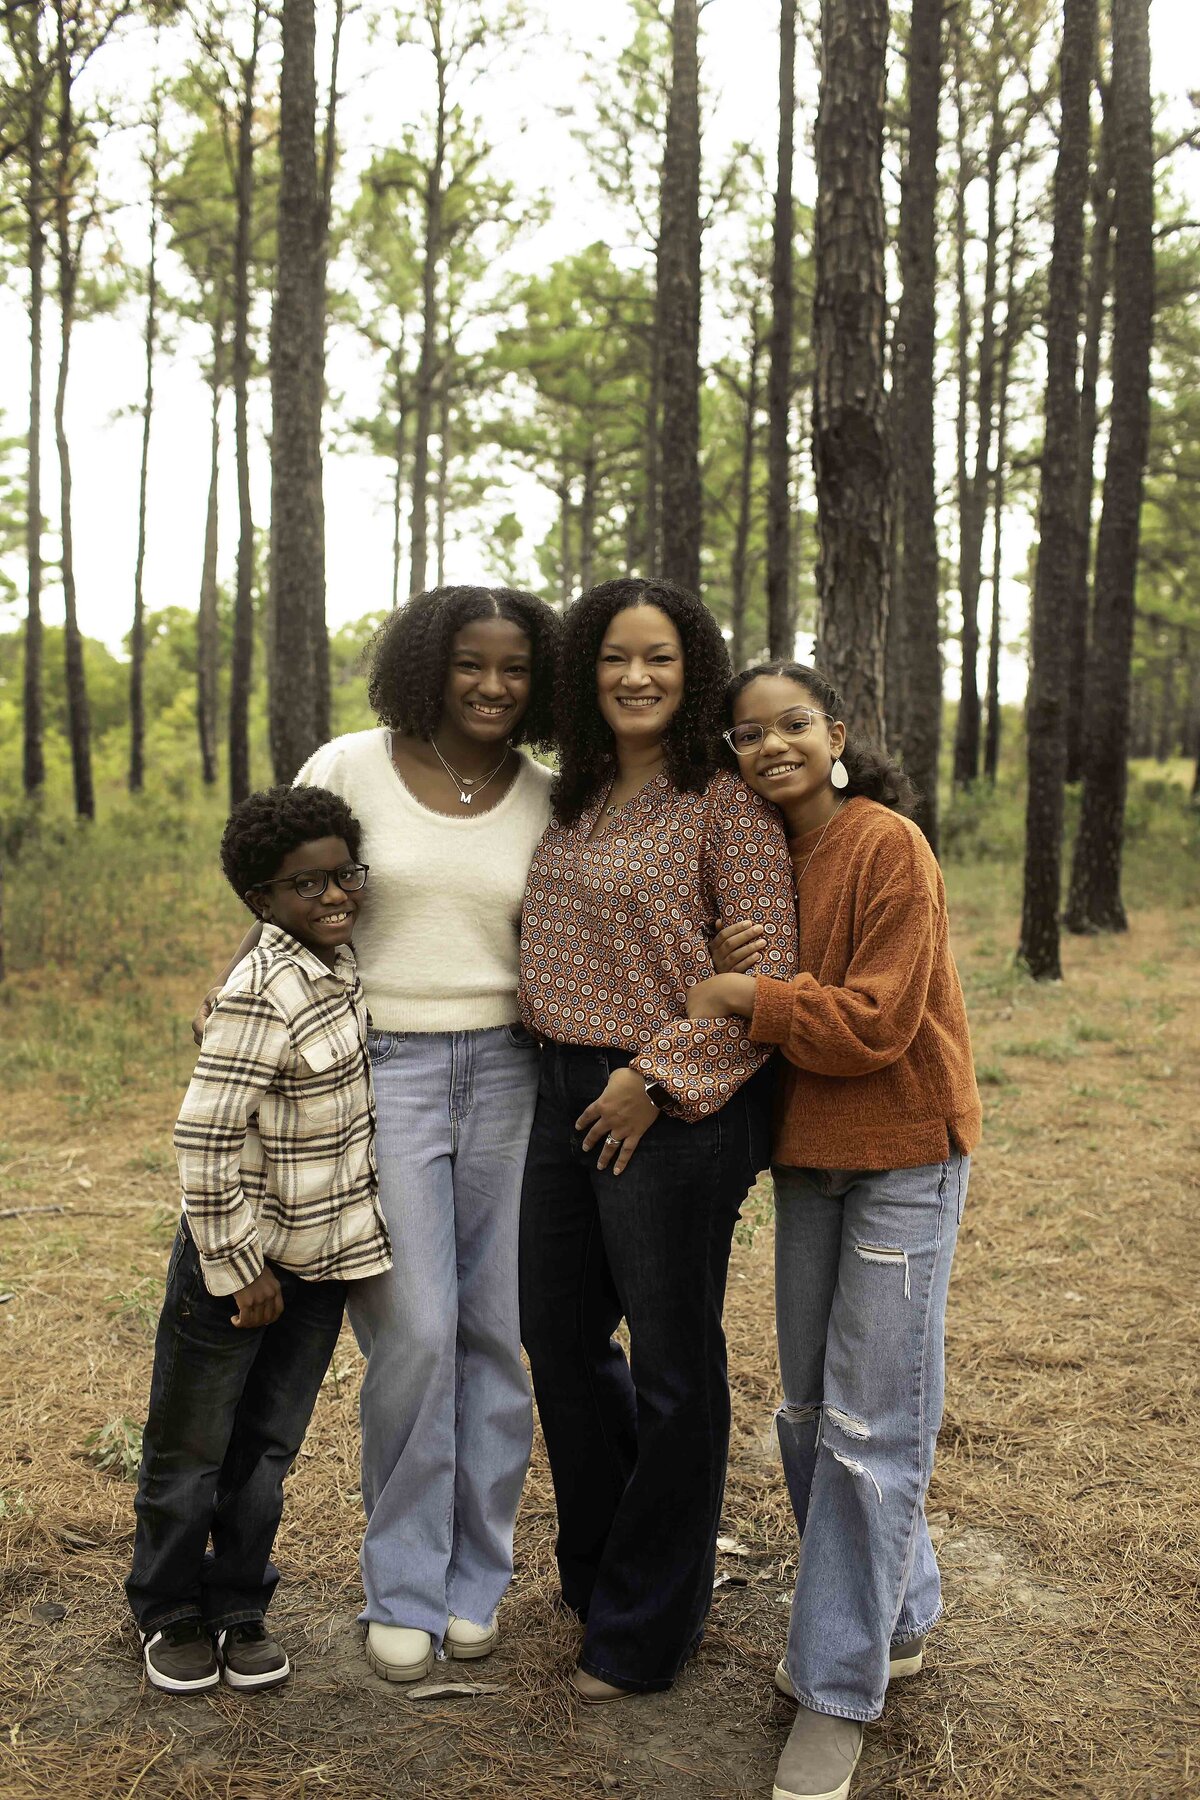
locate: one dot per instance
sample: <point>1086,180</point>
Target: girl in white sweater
<point>451,812</point>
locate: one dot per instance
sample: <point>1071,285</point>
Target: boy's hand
<point>259,1304</point>
<point>735,949</point>
<point>200,1020</point>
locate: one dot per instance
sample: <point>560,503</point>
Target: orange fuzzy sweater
<point>878,1070</point>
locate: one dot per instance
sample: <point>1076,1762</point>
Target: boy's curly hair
<point>265,827</point>
<point>410,654</point>
<point>692,741</point>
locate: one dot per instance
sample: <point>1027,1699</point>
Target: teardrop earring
<point>839,776</point>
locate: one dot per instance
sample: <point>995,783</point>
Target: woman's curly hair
<point>410,654</point>
<point>693,738</point>
<point>872,772</point>
<point>267,826</point>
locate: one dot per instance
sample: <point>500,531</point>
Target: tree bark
<point>427,364</point>
<point>851,451</point>
<point>741,537</point>
<point>78,718</point>
<point>917,656</point>
<point>1095,898</point>
<point>35,71</point>
<point>587,516</point>
<point>243,609</point>
<point>991,745</point>
<point>1098,277</point>
<point>780,631</point>
<point>1046,711</point>
<point>207,646</point>
<point>679,284</point>
<point>974,514</point>
<point>298,714</point>
<point>137,635</point>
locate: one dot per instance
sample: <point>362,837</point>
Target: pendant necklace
<point>829,821</point>
<point>468,786</point>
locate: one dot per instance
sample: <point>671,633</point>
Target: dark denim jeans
<point>228,1413</point>
<point>637,1449</point>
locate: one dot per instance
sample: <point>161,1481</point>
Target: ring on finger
<point>612,1142</point>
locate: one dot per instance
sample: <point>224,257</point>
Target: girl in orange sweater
<point>877,1115</point>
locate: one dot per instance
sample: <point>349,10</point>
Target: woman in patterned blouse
<point>650,1127</point>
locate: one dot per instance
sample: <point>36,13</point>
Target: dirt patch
<point>1064,1501</point>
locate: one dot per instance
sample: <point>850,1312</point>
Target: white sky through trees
<point>529,111</point>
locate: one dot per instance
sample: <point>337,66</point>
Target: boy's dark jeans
<point>228,1411</point>
<point>637,1450</point>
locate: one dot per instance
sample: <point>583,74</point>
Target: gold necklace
<point>829,821</point>
<point>468,786</point>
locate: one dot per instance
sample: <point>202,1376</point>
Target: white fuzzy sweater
<point>438,929</point>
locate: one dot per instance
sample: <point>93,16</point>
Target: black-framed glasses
<point>744,739</point>
<point>310,884</point>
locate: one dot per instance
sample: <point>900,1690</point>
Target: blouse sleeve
<point>869,1019</point>
<point>746,874</point>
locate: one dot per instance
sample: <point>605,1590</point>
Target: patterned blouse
<point>615,931</point>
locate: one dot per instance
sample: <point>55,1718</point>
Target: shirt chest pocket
<point>329,1060</point>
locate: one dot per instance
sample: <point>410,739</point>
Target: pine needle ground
<point>1065,1499</point>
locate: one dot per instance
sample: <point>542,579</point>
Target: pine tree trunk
<point>1046,703</point>
<point>851,451</point>
<point>566,569</point>
<point>780,636</point>
<point>1098,277</point>
<point>207,644</point>
<point>966,736</point>
<point>1095,899</point>
<point>78,718</point>
<point>243,608</point>
<point>297,596</point>
<point>650,469</point>
<point>679,287</point>
<point>399,450</point>
<point>587,517</point>
<point>917,658</point>
<point>741,537</point>
<point>991,745</point>
<point>427,365</point>
<point>443,474</point>
<point>137,636</point>
<point>33,756</point>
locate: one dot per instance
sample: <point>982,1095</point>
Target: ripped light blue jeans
<point>862,1267</point>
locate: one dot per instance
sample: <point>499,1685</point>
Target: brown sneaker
<point>179,1658</point>
<point>819,1758</point>
<point>250,1657</point>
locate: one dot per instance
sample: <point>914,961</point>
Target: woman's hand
<point>736,949</point>
<point>259,1303</point>
<point>721,997</point>
<point>618,1119</point>
<point>200,1019</point>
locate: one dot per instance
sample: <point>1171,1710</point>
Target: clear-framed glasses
<point>743,740</point>
<point>310,884</point>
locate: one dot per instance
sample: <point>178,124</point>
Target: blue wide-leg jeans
<point>862,1268</point>
<point>637,1448</point>
<point>447,1420</point>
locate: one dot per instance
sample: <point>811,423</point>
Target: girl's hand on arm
<point>736,949</point>
<point>721,997</point>
<point>618,1119</point>
<point>200,1017</point>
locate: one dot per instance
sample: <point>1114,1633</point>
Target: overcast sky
<point>529,113</point>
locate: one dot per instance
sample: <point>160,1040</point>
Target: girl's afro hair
<point>267,826</point>
<point>692,742</point>
<point>411,653</point>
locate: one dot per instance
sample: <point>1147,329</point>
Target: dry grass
<point>1065,1498</point>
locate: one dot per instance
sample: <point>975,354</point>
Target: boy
<point>277,1166</point>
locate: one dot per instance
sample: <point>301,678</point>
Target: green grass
<point>116,1448</point>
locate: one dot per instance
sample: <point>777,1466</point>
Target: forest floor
<point>1066,1501</point>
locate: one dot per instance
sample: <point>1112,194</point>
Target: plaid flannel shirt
<point>275,1139</point>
